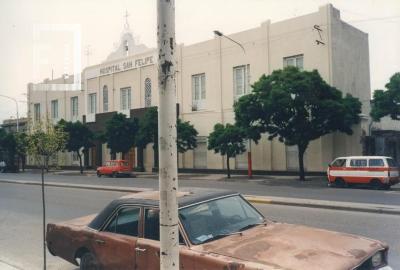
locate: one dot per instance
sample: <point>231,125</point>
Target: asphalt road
<point>20,221</point>
<point>265,186</point>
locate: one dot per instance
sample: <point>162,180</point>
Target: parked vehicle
<point>115,168</point>
<point>218,229</point>
<point>377,171</point>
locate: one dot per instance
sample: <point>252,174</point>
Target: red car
<point>115,168</point>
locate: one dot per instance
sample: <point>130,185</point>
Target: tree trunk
<point>301,150</point>
<point>168,172</point>
<point>140,161</point>
<point>155,157</point>
<point>80,162</point>
<point>227,166</point>
<point>23,163</point>
<point>44,217</point>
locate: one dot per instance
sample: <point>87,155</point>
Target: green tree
<point>8,147</point>
<point>297,107</point>
<point>120,134</point>
<point>43,142</point>
<point>186,136</point>
<point>80,138</point>
<point>387,102</point>
<point>148,133</point>
<point>227,140</point>
<point>21,140</point>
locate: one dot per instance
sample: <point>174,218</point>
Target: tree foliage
<point>387,102</point>
<point>297,107</point>
<point>44,141</point>
<point>227,140</point>
<point>120,133</point>
<point>21,144</point>
<point>8,147</point>
<point>186,136</point>
<point>80,138</point>
<point>148,133</point>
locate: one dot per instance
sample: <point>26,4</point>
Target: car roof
<point>363,157</point>
<point>186,197</point>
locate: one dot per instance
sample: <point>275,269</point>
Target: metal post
<point>168,172</point>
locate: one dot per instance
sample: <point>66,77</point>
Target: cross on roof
<point>126,19</point>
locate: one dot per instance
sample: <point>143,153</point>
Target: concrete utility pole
<point>168,171</point>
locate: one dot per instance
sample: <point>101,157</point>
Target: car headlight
<point>377,259</point>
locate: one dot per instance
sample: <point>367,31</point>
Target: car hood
<point>286,246</point>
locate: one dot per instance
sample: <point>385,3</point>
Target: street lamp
<point>249,161</point>
<point>16,104</point>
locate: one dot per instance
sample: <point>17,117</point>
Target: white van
<point>377,171</point>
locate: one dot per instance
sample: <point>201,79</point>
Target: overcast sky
<point>101,22</point>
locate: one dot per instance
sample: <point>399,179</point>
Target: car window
<point>152,225</point>
<point>376,162</point>
<point>213,219</point>
<point>124,164</point>
<point>358,163</point>
<point>125,222</point>
<point>340,162</point>
<point>108,163</point>
<point>391,162</point>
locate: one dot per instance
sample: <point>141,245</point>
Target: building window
<point>198,91</point>
<point>125,98</point>
<point>147,93</point>
<point>54,109</point>
<point>92,103</point>
<point>36,111</point>
<point>105,98</point>
<point>295,61</point>
<point>74,107</point>
<point>241,81</point>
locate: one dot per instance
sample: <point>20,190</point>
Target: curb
<point>332,205</point>
<point>77,186</point>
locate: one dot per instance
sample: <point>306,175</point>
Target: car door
<point>114,246</point>
<point>148,246</point>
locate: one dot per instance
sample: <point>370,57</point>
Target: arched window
<point>147,92</point>
<point>105,98</point>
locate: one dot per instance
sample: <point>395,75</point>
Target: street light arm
<point>220,34</point>
<point>16,104</point>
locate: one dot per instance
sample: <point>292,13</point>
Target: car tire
<point>98,174</point>
<point>376,184</point>
<point>340,183</point>
<point>114,175</point>
<point>88,262</point>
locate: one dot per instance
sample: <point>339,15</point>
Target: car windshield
<point>214,219</point>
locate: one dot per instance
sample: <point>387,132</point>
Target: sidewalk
<point>336,205</point>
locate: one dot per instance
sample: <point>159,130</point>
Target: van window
<point>358,163</point>
<point>341,162</point>
<point>376,162</point>
<point>391,162</point>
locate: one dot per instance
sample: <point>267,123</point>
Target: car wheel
<point>88,262</point>
<point>340,183</point>
<point>98,174</point>
<point>376,184</point>
<point>114,175</point>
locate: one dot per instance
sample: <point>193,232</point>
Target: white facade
<point>214,73</point>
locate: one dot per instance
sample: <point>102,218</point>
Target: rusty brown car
<point>219,229</point>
